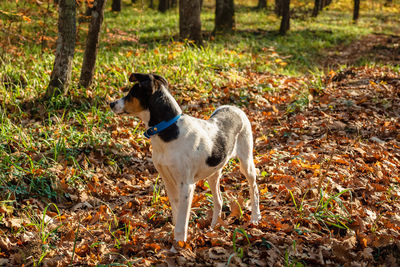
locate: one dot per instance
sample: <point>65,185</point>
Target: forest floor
<point>329,166</point>
<point>78,185</point>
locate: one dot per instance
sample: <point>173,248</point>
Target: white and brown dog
<point>187,149</point>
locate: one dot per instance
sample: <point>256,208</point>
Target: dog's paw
<point>255,218</point>
<point>173,250</point>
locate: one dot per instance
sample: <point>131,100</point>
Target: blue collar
<point>160,127</point>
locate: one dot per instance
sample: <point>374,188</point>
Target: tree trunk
<point>285,23</point>
<point>173,3</point>
<point>116,5</point>
<point>224,15</point>
<point>163,5</point>
<point>262,4</point>
<point>322,4</point>
<point>388,2</point>
<point>316,8</point>
<point>278,7</point>
<point>61,74</point>
<point>356,11</point>
<point>189,20</point>
<point>92,41</point>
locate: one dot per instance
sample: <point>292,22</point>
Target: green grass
<point>37,137</point>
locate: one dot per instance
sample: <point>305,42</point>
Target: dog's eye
<point>125,89</point>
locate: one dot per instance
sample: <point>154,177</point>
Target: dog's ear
<point>161,79</point>
<point>140,77</point>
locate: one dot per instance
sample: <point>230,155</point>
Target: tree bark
<point>92,41</point>
<point>285,23</point>
<point>189,20</point>
<point>322,4</point>
<point>356,11</point>
<point>278,7</point>
<point>388,2</point>
<point>61,74</point>
<point>316,8</point>
<point>163,5</point>
<point>224,15</point>
<point>262,4</point>
<point>116,5</point>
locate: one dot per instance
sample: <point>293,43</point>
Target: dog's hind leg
<point>245,155</point>
<point>213,182</point>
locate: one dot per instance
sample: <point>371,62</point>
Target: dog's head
<point>139,97</point>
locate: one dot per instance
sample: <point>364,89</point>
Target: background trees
<point>61,74</point>
<point>89,58</point>
<point>224,15</point>
<point>356,10</point>
<point>189,20</point>
<point>285,22</point>
<point>164,5</point>
<point>189,28</point>
<point>262,4</point>
<point>116,5</point>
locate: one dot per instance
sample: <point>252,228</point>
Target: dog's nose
<point>112,104</point>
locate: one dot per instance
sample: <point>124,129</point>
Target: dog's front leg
<point>171,188</point>
<point>185,203</point>
<point>173,197</point>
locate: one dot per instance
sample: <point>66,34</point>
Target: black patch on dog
<point>218,151</point>
<point>229,124</point>
<point>152,93</point>
<point>139,91</point>
<point>162,109</point>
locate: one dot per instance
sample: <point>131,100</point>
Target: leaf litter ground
<point>328,162</point>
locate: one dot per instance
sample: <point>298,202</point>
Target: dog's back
<point>204,146</point>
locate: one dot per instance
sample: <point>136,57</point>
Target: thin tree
<point>61,75</point>
<point>116,5</point>
<point>163,5</point>
<point>388,2</point>
<point>316,8</point>
<point>189,20</point>
<point>262,4</point>
<point>278,7</point>
<point>92,41</point>
<point>224,15</point>
<point>356,10</point>
<point>285,22</point>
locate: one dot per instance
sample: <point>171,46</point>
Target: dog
<point>188,149</point>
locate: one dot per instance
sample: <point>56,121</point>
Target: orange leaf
<point>364,242</point>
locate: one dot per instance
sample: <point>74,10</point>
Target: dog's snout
<point>112,104</point>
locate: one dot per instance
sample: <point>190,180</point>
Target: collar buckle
<point>160,127</point>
